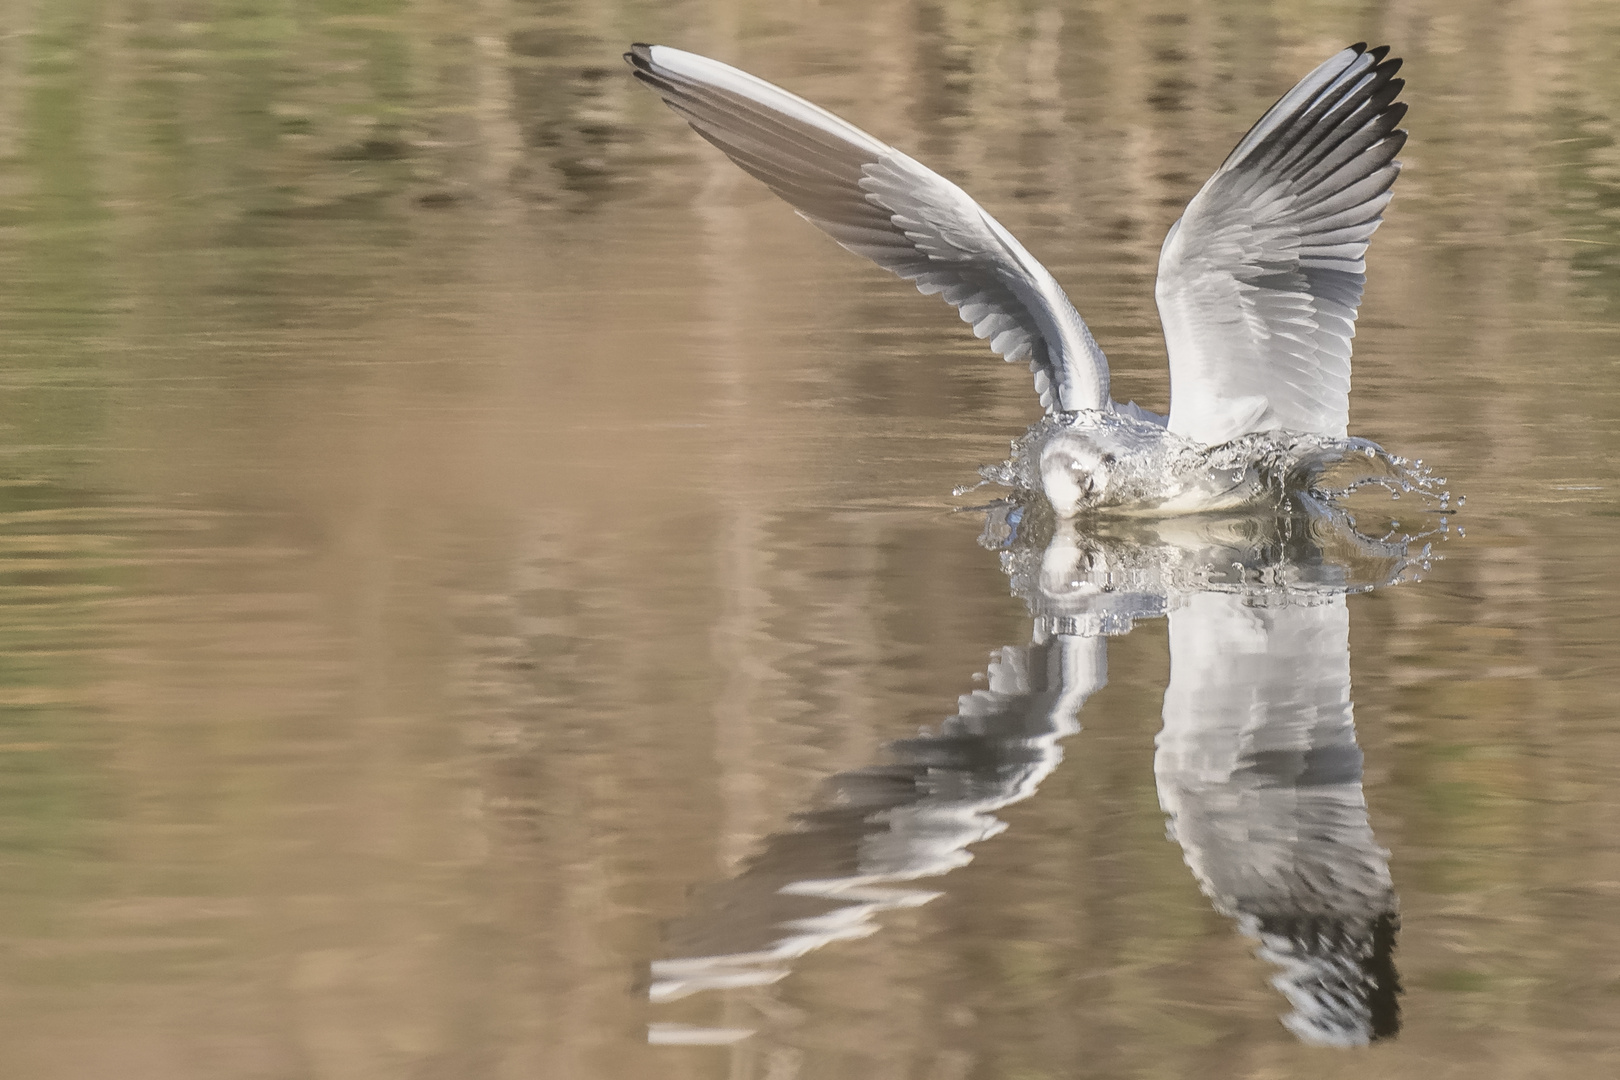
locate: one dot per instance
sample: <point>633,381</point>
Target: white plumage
<point>1260,280</point>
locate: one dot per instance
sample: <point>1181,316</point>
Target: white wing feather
<point>1260,279</point>
<point>881,204</point>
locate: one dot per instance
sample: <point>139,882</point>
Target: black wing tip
<point>1377,52</point>
<point>639,56</point>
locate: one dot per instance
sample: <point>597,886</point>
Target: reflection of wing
<point>879,203</point>
<point>1260,279</point>
<point>1259,771</point>
<point>1257,764</point>
<point>878,828</point>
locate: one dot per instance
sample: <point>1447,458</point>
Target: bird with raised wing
<point>1258,287</point>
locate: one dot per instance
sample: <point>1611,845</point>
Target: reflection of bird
<point>1258,288</point>
<point>1257,765</point>
<point>1260,774</point>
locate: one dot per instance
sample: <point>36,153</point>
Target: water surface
<point>452,522</point>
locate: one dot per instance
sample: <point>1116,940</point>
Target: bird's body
<point>1258,287</point>
<point>1113,461</point>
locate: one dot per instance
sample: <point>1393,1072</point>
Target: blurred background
<point>448,512</point>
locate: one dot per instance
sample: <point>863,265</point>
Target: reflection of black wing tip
<point>1339,974</point>
<point>1384,1002</point>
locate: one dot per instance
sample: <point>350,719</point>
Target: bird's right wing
<point>1260,279</point>
<point>879,203</point>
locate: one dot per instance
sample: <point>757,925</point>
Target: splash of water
<point>1267,467</point>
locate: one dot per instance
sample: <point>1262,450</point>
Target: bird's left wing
<point>1260,279</point>
<point>881,204</point>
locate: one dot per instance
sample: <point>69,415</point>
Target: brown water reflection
<point>449,513</point>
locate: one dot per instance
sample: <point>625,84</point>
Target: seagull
<point>1258,286</point>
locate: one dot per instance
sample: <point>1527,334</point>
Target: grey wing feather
<point>883,205</point>
<point>1261,278</point>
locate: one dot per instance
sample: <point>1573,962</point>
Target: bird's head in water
<point>1074,476</point>
<point>1123,465</point>
<point>1080,468</point>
